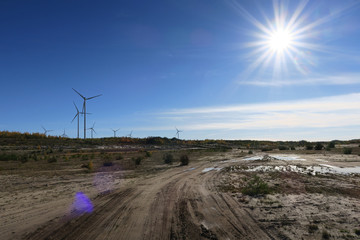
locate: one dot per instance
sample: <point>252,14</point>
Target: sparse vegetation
<point>250,152</point>
<point>256,186</point>
<point>147,154</point>
<point>313,228</point>
<point>168,158</point>
<point>138,160</point>
<point>357,232</point>
<point>282,148</point>
<point>325,235</point>
<point>318,146</point>
<point>347,150</point>
<point>184,160</point>
<point>52,159</point>
<point>309,147</point>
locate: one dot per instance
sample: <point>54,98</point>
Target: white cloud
<point>325,112</point>
<point>343,79</point>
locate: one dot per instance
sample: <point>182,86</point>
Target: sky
<point>263,70</point>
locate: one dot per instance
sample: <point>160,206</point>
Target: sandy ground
<point>200,201</point>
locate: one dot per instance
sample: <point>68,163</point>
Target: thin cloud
<point>344,79</point>
<point>326,112</point>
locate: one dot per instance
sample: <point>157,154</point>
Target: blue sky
<point>203,66</point>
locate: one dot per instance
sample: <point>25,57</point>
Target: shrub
<point>24,158</point>
<point>357,232</point>
<point>347,151</point>
<point>138,160</point>
<point>331,145</point>
<point>283,148</point>
<point>52,159</point>
<point>84,157</point>
<point>266,149</point>
<point>184,159</point>
<point>250,152</point>
<point>309,147</point>
<point>318,146</point>
<point>256,186</point>
<point>168,158</point>
<point>107,164</point>
<point>119,157</point>
<point>292,148</point>
<point>313,228</point>
<point>148,154</point>
<point>326,235</point>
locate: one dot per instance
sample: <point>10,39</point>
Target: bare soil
<point>158,201</point>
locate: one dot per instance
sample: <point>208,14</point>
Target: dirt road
<point>180,203</point>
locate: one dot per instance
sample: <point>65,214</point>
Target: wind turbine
<point>115,131</point>
<point>177,132</point>
<point>84,108</point>
<point>64,134</point>
<point>92,130</point>
<point>130,134</point>
<point>46,131</point>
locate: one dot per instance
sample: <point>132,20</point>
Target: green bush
<point>147,154</point>
<point>250,152</point>
<point>357,232</point>
<point>318,146</point>
<point>347,150</point>
<point>292,148</point>
<point>331,145</point>
<point>326,235</point>
<point>255,187</point>
<point>168,158</point>
<point>184,159</point>
<point>266,149</point>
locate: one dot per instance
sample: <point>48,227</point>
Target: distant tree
<point>318,146</point>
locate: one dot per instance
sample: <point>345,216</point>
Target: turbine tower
<point>92,130</point>
<point>84,108</point>
<point>115,131</point>
<point>177,132</point>
<point>46,131</point>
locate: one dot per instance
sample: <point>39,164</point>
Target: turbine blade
<point>93,97</point>
<point>76,107</point>
<point>79,94</point>
<point>94,131</point>
<point>75,117</point>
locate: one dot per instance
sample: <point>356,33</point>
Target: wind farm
<point>233,119</point>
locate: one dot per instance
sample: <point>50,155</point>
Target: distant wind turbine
<point>92,130</point>
<point>115,131</point>
<point>84,108</point>
<point>64,134</point>
<point>46,131</point>
<point>130,134</point>
<point>177,132</point>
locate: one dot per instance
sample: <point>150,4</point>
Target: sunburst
<point>285,41</point>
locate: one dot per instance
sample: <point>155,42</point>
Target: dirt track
<point>181,203</point>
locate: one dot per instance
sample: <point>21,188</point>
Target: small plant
<point>184,159</point>
<point>347,151</point>
<point>147,154</point>
<point>90,166</point>
<point>107,164</point>
<point>326,235</point>
<point>292,148</point>
<point>119,157</point>
<point>357,232</point>
<point>138,160</point>
<point>84,157</point>
<point>24,158</point>
<point>250,152</point>
<point>168,158</point>
<point>313,228</point>
<point>52,159</point>
<point>266,149</point>
<point>255,187</point>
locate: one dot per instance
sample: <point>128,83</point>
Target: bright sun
<point>280,40</point>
